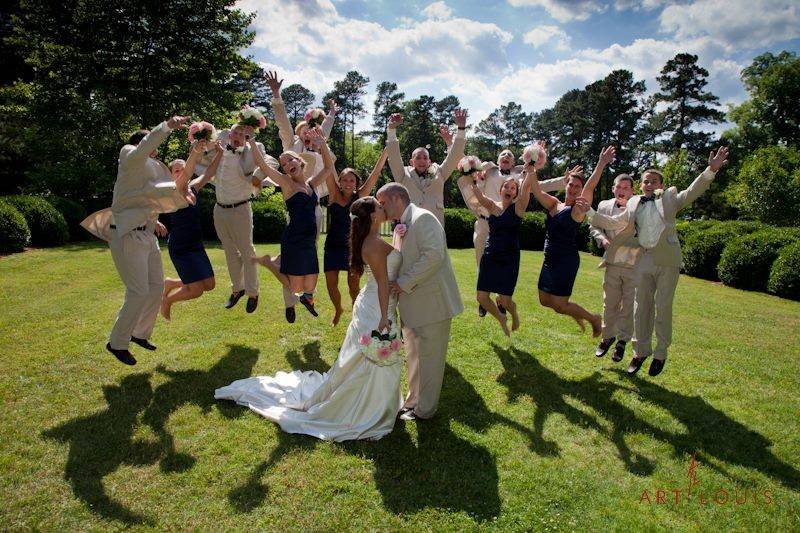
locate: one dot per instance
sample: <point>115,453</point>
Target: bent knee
<point>209,284</point>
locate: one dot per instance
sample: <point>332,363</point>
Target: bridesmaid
<point>185,243</point>
<point>499,268</point>
<point>299,266</point>
<point>561,258</point>
<point>341,195</point>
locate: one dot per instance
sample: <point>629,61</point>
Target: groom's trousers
<point>652,307</point>
<point>138,260</point>
<point>426,347</point>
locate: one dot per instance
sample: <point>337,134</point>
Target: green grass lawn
<point>532,434</point>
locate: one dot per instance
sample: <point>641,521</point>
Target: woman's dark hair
<point>579,177</point>
<point>353,172</point>
<point>359,229</point>
<point>137,137</point>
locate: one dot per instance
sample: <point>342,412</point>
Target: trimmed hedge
<point>269,218</point>
<point>532,232</point>
<point>784,279</point>
<point>73,214</point>
<point>685,228</point>
<point>746,261</point>
<point>47,225</point>
<point>14,232</point>
<point>459,225</point>
<point>703,248</point>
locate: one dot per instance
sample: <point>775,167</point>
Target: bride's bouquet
<point>383,349</point>
<point>314,117</point>
<point>251,116</point>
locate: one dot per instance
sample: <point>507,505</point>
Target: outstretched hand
<point>446,135</point>
<point>608,155</point>
<point>542,160</point>
<point>315,136</point>
<point>395,119</point>
<point>177,122</point>
<point>461,118</point>
<point>274,83</point>
<point>718,160</point>
<point>581,206</point>
<point>161,229</point>
<point>200,146</point>
<point>332,107</point>
<point>577,169</point>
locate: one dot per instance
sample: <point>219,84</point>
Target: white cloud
<point>739,24</point>
<point>541,35</point>
<point>438,11</point>
<point>564,10</point>
<point>638,5</point>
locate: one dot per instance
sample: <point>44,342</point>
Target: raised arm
<point>200,181</point>
<point>524,196</point>
<point>703,181</point>
<point>282,180</point>
<point>285,131</point>
<point>393,146</point>
<point>456,152</point>
<point>606,156</point>
<point>370,182</point>
<point>328,171</point>
<point>151,141</point>
<point>488,204</point>
<point>327,124</point>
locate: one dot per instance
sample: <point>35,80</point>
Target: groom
<point>428,299</point>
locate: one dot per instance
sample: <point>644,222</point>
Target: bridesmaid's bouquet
<point>532,153</point>
<point>202,131</point>
<point>251,116</point>
<point>383,349</point>
<point>469,164</point>
<point>314,117</point>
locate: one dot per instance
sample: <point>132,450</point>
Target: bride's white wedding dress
<point>355,399</point>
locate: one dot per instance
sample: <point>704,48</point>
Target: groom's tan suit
<point>144,188</point>
<point>429,301</point>
<point>652,224</point>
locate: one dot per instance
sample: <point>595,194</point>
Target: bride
<point>359,397</point>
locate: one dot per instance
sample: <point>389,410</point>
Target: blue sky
<point>530,51</point>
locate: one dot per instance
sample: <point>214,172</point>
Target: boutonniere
<point>401,229</point>
<point>658,193</point>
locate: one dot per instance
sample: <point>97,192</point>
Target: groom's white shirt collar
<point>406,218</point>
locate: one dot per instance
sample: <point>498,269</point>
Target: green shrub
<point>48,227</point>
<point>703,249</point>
<point>746,261</point>
<point>459,225</point>
<point>269,218</point>
<point>73,213</point>
<point>689,227</point>
<point>784,279</point>
<point>14,232</point>
<point>768,185</point>
<point>584,237</point>
<point>532,232</point>
<point>207,198</point>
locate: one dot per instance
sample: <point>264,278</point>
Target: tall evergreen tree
<point>297,100</point>
<point>387,101</point>
<point>351,91</point>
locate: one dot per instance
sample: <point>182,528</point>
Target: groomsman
<point>424,179</point>
<point>651,217</point>
<point>297,140</point>
<point>492,179</point>
<point>236,180</point>
<point>144,188</point>
<point>618,281</point>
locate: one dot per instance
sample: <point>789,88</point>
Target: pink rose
<point>395,345</point>
<point>401,229</point>
<point>383,353</point>
<point>364,340</point>
<point>262,122</point>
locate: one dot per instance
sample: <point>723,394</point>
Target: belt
<point>231,206</point>
<point>140,228</point>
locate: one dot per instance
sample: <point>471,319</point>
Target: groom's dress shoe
<point>233,299</point>
<point>603,347</point>
<point>656,366</point>
<point>144,343</point>
<point>290,315</point>
<point>635,365</point>
<point>619,352</point>
<point>123,355</point>
<point>408,416</point>
<point>252,304</point>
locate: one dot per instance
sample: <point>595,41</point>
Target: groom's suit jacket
<point>426,275</point>
<point>667,251</point>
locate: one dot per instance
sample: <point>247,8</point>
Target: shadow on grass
<point>102,442</point>
<point>411,477</point>
<point>709,431</point>
<point>310,359</point>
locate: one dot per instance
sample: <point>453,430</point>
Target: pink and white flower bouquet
<point>314,117</point>
<point>251,116</point>
<point>469,164</point>
<point>202,131</point>
<point>533,152</point>
<point>383,349</point>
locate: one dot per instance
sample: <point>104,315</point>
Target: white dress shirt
<point>649,224</point>
<point>232,185</point>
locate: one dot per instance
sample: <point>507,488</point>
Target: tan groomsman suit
<point>426,191</point>
<point>429,301</point>
<point>313,163</point>
<point>658,267</point>
<point>490,187</point>
<point>618,281</point>
<point>144,188</point>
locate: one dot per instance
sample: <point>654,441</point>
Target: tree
<point>491,131</point>
<point>419,128</point>
<point>336,140</point>
<point>297,100</point>
<point>351,93</point>
<point>768,186</point>
<point>387,101</point>
<point>683,84</point>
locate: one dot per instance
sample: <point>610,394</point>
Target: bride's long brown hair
<point>361,212</point>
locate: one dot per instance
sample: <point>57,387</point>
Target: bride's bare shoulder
<point>376,248</point>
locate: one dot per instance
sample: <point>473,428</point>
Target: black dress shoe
<point>635,365</point>
<point>144,343</point>
<point>481,311</point>
<point>123,355</point>
<point>656,366</point>
<point>501,309</point>
<point>603,347</point>
<point>308,303</point>
<point>619,352</point>
<point>290,316</point>
<point>252,304</point>
<point>233,299</point>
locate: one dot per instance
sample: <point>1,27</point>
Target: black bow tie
<point>230,148</point>
<point>646,199</point>
<point>505,172</point>
<point>619,205</point>
<point>309,149</point>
